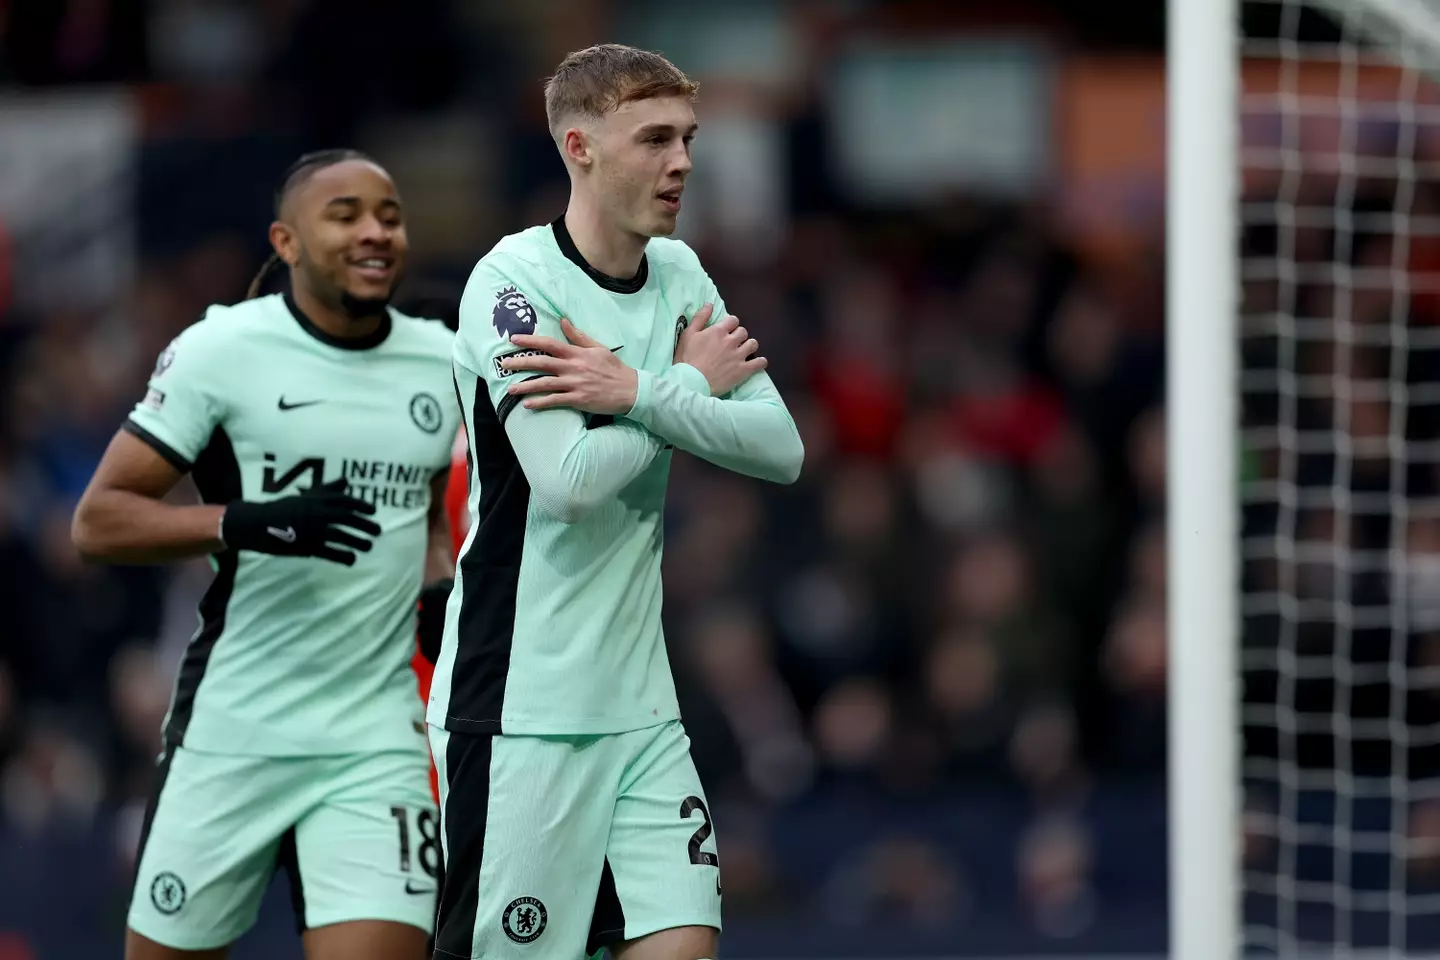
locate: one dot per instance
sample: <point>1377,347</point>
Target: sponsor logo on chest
<point>385,483</point>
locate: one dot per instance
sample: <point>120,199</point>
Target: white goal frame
<point>1202,419</point>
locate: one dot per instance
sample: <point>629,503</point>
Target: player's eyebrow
<point>388,202</point>
<point>660,127</point>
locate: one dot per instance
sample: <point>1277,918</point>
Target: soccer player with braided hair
<point>317,425</point>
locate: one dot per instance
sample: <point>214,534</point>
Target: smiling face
<point>343,234</point>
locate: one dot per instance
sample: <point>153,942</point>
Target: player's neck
<point>610,250</point>
<point>334,320</point>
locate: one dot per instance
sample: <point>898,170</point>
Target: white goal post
<point>1303,419</point>
<point>1202,502</point>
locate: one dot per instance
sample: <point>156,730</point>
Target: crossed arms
<point>715,402</point>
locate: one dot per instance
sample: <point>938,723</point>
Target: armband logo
<point>162,362</point>
<point>513,313</point>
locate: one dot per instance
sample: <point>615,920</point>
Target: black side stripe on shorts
<point>467,803</point>
<point>162,771</point>
<point>607,924</point>
<point>287,858</point>
<point>489,574</point>
<point>217,477</point>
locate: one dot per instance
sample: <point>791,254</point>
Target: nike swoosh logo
<point>410,888</point>
<point>288,534</point>
<point>295,406</point>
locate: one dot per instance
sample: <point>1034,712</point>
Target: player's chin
<point>663,224</point>
<point>364,301</point>
<point>373,291</point>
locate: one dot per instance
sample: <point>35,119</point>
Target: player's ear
<point>285,243</point>
<point>577,148</point>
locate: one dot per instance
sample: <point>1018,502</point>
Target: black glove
<point>305,525</point>
<point>431,625</point>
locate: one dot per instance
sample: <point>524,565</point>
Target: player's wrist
<point>250,525</point>
<point>644,394</point>
<point>238,522</point>
<point>631,391</point>
<point>691,377</point>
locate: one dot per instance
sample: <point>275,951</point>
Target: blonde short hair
<point>590,83</point>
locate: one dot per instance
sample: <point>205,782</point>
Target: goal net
<point>1339,368</point>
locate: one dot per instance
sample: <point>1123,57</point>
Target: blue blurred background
<point>926,683</point>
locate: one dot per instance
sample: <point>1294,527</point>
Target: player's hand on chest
<point>641,330</point>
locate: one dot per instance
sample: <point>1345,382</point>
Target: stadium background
<point>925,684</point>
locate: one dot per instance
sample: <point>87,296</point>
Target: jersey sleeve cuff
<point>688,377</point>
<point>644,397</point>
<point>167,452</point>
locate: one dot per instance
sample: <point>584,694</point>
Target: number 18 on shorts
<point>357,835</point>
<point>558,845</point>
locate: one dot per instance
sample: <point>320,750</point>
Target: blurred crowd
<point>962,597</point>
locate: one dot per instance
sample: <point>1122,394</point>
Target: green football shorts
<point>559,846</point>
<point>358,835</point>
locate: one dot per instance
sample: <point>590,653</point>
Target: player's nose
<point>680,163</point>
<point>374,230</point>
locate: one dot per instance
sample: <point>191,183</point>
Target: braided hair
<point>295,175</point>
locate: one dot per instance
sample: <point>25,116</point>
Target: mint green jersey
<point>554,626</point>
<point>294,655</point>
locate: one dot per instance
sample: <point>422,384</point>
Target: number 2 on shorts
<point>700,857</point>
